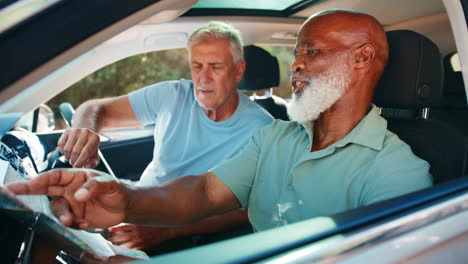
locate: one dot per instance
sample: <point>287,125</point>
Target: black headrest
<point>262,70</point>
<point>413,77</point>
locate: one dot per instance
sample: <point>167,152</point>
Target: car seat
<point>410,86</point>
<point>453,109</point>
<point>262,72</point>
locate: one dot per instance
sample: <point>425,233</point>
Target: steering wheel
<point>67,111</point>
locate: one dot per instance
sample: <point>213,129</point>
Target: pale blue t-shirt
<point>186,141</point>
<point>282,182</point>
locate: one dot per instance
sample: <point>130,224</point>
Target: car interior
<point>413,81</point>
<point>262,72</point>
<point>421,94</point>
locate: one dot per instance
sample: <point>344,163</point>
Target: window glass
<point>13,13</point>
<point>132,73</point>
<point>247,4</point>
<point>455,61</point>
<point>125,76</point>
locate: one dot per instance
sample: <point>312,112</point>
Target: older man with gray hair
<point>198,124</point>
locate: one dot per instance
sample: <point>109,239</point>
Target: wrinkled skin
<point>215,76</point>
<point>80,147</point>
<point>363,45</point>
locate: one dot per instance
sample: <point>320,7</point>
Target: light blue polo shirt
<point>186,141</point>
<point>281,181</point>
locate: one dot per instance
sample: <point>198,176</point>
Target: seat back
<point>412,81</point>
<point>262,72</point>
<point>453,109</point>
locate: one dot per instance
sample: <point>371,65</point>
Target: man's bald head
<point>340,57</point>
<point>353,29</point>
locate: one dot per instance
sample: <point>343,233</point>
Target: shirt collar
<point>370,132</point>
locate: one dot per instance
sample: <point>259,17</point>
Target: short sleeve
<point>239,172</point>
<point>151,100</point>
<point>394,174</point>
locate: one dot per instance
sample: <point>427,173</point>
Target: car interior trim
<point>459,22</point>
<point>359,240</point>
<point>10,85</point>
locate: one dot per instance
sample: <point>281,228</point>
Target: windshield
<point>247,4</point>
<point>14,12</point>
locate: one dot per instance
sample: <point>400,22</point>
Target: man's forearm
<point>116,112</point>
<point>89,115</point>
<point>183,201</point>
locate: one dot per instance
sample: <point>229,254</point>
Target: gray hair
<point>219,30</point>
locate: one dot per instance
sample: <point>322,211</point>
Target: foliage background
<point>141,70</point>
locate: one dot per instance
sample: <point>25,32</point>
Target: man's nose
<point>297,65</point>
<point>205,73</point>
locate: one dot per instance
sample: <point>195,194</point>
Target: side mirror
<point>40,120</point>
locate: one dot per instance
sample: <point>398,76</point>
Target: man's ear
<point>364,56</point>
<point>240,69</point>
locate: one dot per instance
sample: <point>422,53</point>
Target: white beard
<point>320,93</point>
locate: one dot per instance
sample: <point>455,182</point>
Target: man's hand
<point>80,146</point>
<point>61,209</point>
<point>93,199</point>
<point>139,237</point>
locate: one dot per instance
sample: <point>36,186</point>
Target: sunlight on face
<point>214,73</point>
<point>320,94</point>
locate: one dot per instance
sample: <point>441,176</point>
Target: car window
<point>123,77</point>
<point>16,11</point>
<point>455,62</point>
<point>135,72</point>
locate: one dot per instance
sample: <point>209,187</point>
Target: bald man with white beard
<point>336,155</point>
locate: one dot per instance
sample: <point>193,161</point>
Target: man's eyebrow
<point>305,45</point>
<point>210,63</point>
